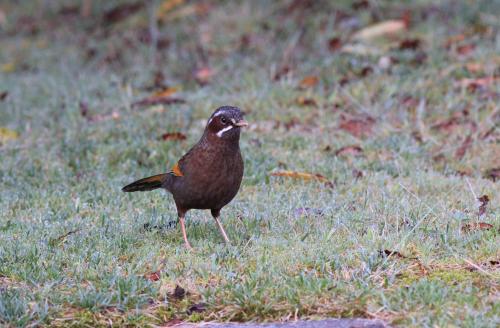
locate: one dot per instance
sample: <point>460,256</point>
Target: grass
<point>76,251</point>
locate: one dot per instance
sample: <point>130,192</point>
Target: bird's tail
<point>146,184</point>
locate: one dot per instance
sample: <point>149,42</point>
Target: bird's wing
<point>179,167</point>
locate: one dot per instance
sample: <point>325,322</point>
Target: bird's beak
<point>241,123</point>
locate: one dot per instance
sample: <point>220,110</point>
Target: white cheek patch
<point>221,132</point>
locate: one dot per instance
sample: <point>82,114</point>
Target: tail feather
<point>146,184</point>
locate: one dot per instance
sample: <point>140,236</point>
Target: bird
<point>209,175</point>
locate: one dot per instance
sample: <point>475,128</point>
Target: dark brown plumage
<point>209,175</point>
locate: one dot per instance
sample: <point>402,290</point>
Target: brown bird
<point>209,175</point>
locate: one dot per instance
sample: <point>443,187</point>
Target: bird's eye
<point>223,120</point>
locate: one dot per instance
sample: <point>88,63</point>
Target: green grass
<point>64,172</point>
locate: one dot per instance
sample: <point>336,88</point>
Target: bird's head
<point>226,123</point>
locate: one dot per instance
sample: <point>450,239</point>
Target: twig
<point>478,267</point>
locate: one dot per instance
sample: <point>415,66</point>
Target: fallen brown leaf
<point>153,100</point>
<point>365,71</point>
<point>334,44</point>
<point>305,101</point>
<point>410,44</point>
<point>7,135</point>
<point>167,92</point>
<point>179,292</point>
<point>280,73</point>
<point>61,239</point>
<point>478,83</point>
<point>484,200</point>
<point>300,175</point>
<point>466,144</point>
<point>456,121</point>
<point>153,276</point>
<point>387,252</point>
<point>174,136</point>
<point>361,4</point>
<point>454,40</point>
<point>474,67</point>
<point>357,174</point>
<point>204,75</point>
<point>353,150</point>
<point>84,110</point>
<point>309,82</point>
<point>122,11</point>
<point>493,174</point>
<point>166,6</point>
<point>197,308</point>
<point>476,226</point>
<point>465,49</point>
<point>358,127</point>
<point>308,211</point>
<point>385,28</point>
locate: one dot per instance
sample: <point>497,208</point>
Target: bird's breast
<point>210,180</point>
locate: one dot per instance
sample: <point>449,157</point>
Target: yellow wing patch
<point>176,170</point>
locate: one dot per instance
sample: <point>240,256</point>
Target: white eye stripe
<point>221,132</point>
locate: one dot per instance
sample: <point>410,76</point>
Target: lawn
<point>369,153</point>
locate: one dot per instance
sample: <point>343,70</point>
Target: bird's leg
<point>215,214</point>
<point>183,228</point>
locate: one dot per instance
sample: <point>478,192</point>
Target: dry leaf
<point>179,292</point>
<point>386,28</point>
<point>453,40</point>
<point>173,136</point>
<point>305,101</point>
<point>476,226</point>
<point>3,18</point>
<point>493,174</point>
<point>474,67</point>
<point>157,100</point>
<point>353,150</point>
<point>365,71</point>
<point>357,174</point>
<point>204,75</point>
<point>61,239</point>
<point>153,276</point>
<point>7,135</point>
<point>334,44</point>
<point>309,82</point>
<point>167,6</point>
<point>280,73</point>
<point>300,175</point>
<point>359,127</point>
<point>166,92</point>
<point>122,12</point>
<point>8,67</point>
<point>308,211</point>
<point>484,200</point>
<point>465,49</point>
<point>197,308</point>
<point>361,50</point>
<point>410,44</point>
<point>387,253</point>
<point>474,84</point>
<point>360,5</point>
<point>457,120</point>
<point>466,144</point>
